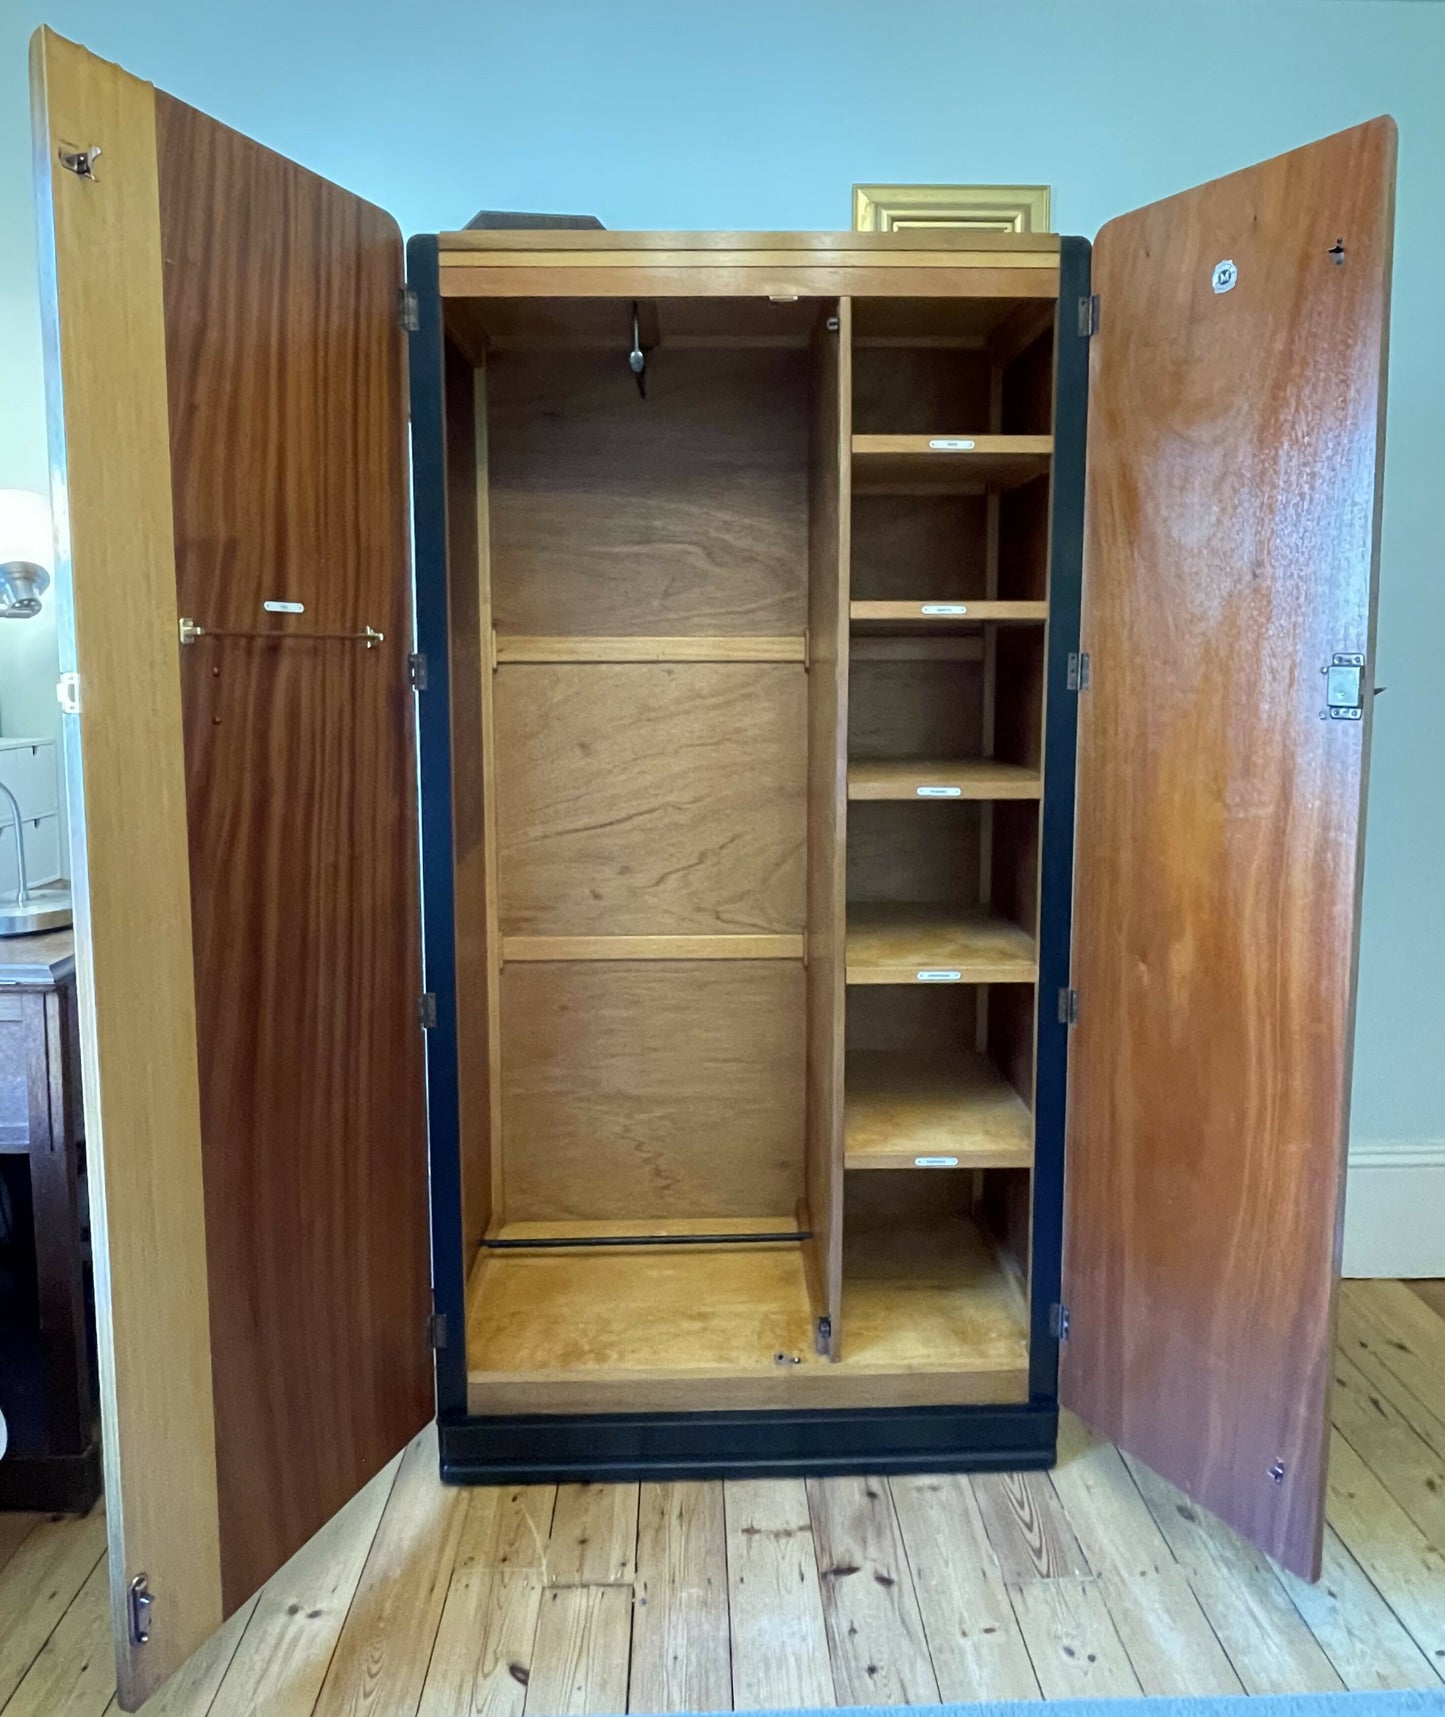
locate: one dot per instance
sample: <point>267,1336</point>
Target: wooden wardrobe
<point>810,918</point>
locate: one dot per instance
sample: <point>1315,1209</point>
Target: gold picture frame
<point>984,208</point>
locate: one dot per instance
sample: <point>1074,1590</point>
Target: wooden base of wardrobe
<point>622,1448</point>
<point>929,1318</point>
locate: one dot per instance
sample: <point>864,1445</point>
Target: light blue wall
<point>664,113</point>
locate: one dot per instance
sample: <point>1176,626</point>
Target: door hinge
<point>1068,1007</point>
<point>1088,315</point>
<point>408,311</point>
<point>1077,679</point>
<point>1059,1321</point>
<point>416,670</point>
<point>139,1599</point>
<point>436,1330</point>
<point>1344,687</point>
<point>823,1335</point>
<point>81,162</point>
<point>426,1011</point>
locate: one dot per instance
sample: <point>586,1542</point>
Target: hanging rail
<point>191,630</point>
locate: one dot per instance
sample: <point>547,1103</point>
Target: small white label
<point>943,608</point>
<point>939,792</point>
<point>939,977</point>
<point>950,444</point>
<point>284,607</point>
<point>935,1162</point>
<point>1224,277</point>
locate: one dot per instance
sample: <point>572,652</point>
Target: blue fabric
<point>1426,1702</point>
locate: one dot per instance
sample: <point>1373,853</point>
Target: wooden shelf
<point>923,1292</point>
<point>921,944</point>
<point>905,1111</point>
<point>947,464</point>
<point>968,778</point>
<point>940,613</point>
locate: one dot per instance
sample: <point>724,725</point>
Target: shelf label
<point>949,444</point>
<point>943,608</point>
<point>284,607</point>
<point>939,792</point>
<point>939,977</point>
<point>935,1162</point>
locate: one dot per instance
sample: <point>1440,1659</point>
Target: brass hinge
<point>427,1011</point>
<point>436,1329</point>
<point>416,670</point>
<point>1068,1007</point>
<point>408,311</point>
<point>1089,316</point>
<point>1077,679</point>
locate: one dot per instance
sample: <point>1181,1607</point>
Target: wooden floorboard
<point>421,1600</point>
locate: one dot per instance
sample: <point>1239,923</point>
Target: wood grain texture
<point>579,1661</point>
<point>38,1585</point>
<point>300,764</point>
<point>660,275</point>
<point>511,648</point>
<point>1217,585</point>
<point>875,1633</point>
<point>594,1535</point>
<point>925,547</point>
<point>900,1106</point>
<point>684,513</point>
<point>473,825</point>
<point>912,707</point>
<point>910,464</point>
<point>967,778</point>
<point>779,1639</point>
<point>893,944</point>
<point>919,850</point>
<point>105,356</point>
<point>974,1640</point>
<point>481,1662</point>
<point>923,611</point>
<point>1027,1526</point>
<point>380,1661</point>
<point>652,1089</point>
<point>1432,1293</point>
<point>71,1675</point>
<point>899,390</point>
<point>680,1618</point>
<point>1073,1643</point>
<point>651,799</point>
<point>827,845</point>
<point>1270,1647</point>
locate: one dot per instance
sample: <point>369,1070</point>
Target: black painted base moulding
<point>617,1448</point>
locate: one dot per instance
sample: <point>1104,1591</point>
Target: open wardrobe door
<point>227,430</point>
<point>1235,440</point>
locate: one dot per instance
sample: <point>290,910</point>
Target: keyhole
<point>1337,253</point>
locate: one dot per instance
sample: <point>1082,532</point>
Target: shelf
<point>952,1111</point>
<point>943,613</point>
<point>923,944</point>
<point>947,464</point>
<point>970,778</point>
<point>921,1292</point>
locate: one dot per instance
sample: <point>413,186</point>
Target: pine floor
<point>421,1601</point>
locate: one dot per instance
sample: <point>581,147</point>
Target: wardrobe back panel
<point>652,1089</point>
<point>682,513</point>
<point>651,798</point>
<point>914,708</point>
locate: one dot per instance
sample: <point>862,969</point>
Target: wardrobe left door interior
<point>227,438</point>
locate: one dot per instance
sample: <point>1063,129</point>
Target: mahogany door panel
<point>1235,413</point>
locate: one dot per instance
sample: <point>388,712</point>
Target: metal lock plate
<point>1344,687</point>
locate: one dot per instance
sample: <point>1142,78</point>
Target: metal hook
<point>637,358</point>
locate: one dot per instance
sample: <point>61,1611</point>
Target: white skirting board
<point>1395,1210</point>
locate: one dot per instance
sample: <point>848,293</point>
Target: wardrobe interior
<point>747,687</point>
